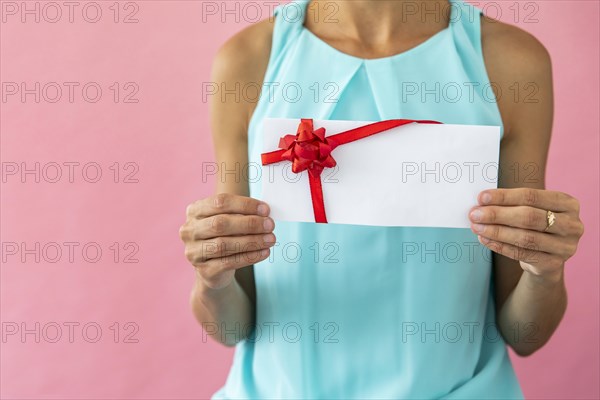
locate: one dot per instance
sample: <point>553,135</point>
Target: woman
<point>351,314</point>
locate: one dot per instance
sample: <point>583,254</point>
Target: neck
<point>372,22</point>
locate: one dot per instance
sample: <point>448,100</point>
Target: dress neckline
<point>436,37</point>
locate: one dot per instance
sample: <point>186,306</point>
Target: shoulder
<point>519,68</point>
<point>244,57</point>
<point>240,63</point>
<point>512,52</point>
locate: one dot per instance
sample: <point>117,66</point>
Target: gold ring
<point>550,219</point>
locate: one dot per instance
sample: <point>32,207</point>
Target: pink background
<point>167,53</point>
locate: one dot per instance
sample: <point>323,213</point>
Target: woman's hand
<point>513,222</point>
<point>226,232</point>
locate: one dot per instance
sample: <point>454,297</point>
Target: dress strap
<point>466,18</point>
<point>288,24</point>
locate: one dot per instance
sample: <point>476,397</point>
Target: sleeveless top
<point>348,311</point>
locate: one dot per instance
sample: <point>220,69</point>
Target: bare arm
<point>230,225</point>
<point>528,263</point>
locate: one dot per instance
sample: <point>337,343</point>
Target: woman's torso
<point>346,311</point>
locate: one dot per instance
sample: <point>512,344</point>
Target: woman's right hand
<point>226,232</point>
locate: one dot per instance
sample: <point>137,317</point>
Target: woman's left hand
<point>513,222</point>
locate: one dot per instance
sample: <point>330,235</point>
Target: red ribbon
<point>311,150</point>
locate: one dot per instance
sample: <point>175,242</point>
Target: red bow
<point>310,150</point>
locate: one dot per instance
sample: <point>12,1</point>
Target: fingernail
<point>263,209</point>
<point>478,228</point>
<point>270,238</point>
<point>268,224</point>
<point>476,215</point>
<point>483,240</point>
<point>264,252</point>
<point>486,198</point>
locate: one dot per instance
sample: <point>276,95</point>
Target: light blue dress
<point>359,312</point>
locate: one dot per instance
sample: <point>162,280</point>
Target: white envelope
<point>426,175</point>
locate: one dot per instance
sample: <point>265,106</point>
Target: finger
<point>227,203</point>
<point>228,225</point>
<point>537,198</point>
<point>525,238</point>
<point>519,217</point>
<point>226,245</point>
<point>212,268</point>
<point>529,256</point>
